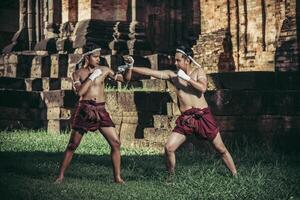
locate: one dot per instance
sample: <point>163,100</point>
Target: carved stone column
<point>31,23</point>
<point>20,39</point>
<point>137,44</point>
<point>69,19</point>
<point>52,21</point>
<point>101,24</point>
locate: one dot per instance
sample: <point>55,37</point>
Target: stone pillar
<point>52,21</point>
<point>69,20</point>
<point>137,44</point>
<point>20,39</point>
<point>287,50</point>
<point>31,23</point>
<point>38,20</point>
<point>101,24</point>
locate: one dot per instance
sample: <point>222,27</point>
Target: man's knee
<point>169,148</point>
<point>72,146</point>
<point>221,150</point>
<point>116,144</point>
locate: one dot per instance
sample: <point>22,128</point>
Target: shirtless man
<point>196,117</point>
<point>90,114</point>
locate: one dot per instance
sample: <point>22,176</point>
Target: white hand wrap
<point>95,74</point>
<point>129,62</point>
<point>183,75</point>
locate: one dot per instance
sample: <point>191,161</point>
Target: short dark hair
<point>188,51</point>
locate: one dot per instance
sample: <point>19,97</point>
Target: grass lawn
<point>29,163</point>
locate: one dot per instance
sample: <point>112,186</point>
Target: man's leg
<point>74,142</point>
<point>113,140</point>
<point>222,150</point>
<point>173,142</point>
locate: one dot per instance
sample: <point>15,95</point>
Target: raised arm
<point>161,74</point>
<point>201,80</point>
<point>114,76</point>
<point>81,88</point>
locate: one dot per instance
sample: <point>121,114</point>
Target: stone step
<point>13,124</point>
<point>157,135</point>
<point>24,114</point>
<point>260,123</point>
<point>164,121</point>
<point>138,101</point>
<point>250,102</point>
<point>36,84</point>
<point>57,126</point>
<point>255,80</point>
<point>35,99</point>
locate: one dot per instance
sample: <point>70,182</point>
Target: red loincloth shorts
<point>90,116</point>
<point>198,121</point>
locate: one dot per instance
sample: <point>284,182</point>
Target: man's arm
<point>201,82</point>
<point>161,74</point>
<point>114,76</point>
<point>81,88</point>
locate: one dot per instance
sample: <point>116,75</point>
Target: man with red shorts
<point>90,114</point>
<point>196,118</point>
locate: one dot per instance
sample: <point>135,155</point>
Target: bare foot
<point>234,175</point>
<point>170,177</point>
<point>119,181</point>
<point>59,180</point>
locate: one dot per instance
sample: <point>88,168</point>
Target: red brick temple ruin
<point>249,48</point>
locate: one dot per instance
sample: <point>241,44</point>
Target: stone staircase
<point>260,105</point>
<point>36,88</point>
<point>36,93</point>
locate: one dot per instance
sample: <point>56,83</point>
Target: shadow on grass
<point>29,175</point>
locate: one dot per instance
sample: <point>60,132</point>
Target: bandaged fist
<point>95,74</point>
<point>129,61</point>
<point>183,75</point>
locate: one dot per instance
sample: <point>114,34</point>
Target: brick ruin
<point>253,41</point>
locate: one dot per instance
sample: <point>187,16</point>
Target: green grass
<point>29,163</point>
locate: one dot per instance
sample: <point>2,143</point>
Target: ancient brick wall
<point>262,35</point>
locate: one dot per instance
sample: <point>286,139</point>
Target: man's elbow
<point>79,92</point>
<point>203,88</point>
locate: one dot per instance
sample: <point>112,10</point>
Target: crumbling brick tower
<point>255,35</point>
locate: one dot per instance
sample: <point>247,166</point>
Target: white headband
<point>190,57</point>
<point>79,63</point>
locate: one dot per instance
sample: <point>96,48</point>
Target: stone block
<point>57,113</point>
<point>156,135</point>
<point>33,84</point>
<point>59,65</point>
<point>59,98</point>
<point>164,121</point>
<point>154,84</point>
<point>10,113</point>
<point>57,126</point>
<point>72,60</point>
<point>40,67</point>
<point>21,99</point>
<point>12,83</point>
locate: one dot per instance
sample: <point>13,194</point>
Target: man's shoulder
<point>103,68</point>
<point>78,72</point>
